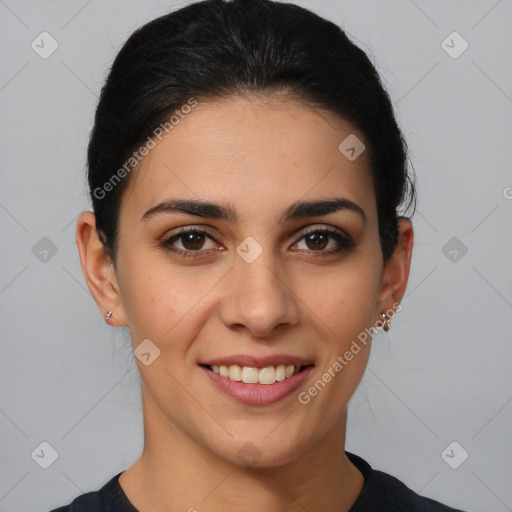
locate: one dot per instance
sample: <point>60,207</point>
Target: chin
<point>263,451</point>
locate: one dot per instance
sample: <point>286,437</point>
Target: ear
<point>396,269</point>
<point>99,270</point>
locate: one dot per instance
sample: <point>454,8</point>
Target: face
<point>269,285</point>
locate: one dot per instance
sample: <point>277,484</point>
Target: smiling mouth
<point>252,375</point>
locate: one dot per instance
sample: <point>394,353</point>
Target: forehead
<point>257,151</point>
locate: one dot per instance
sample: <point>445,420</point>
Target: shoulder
<point>90,501</point>
<point>106,499</point>
<point>382,491</point>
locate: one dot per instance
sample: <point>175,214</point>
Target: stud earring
<point>386,324</point>
<point>107,316</point>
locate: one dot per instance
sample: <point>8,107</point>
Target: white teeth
<point>253,375</point>
<point>267,375</point>
<point>281,372</point>
<point>250,375</point>
<point>235,372</point>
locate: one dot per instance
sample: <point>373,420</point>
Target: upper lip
<point>257,362</point>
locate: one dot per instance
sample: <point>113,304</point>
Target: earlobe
<point>98,270</point>
<point>396,270</point>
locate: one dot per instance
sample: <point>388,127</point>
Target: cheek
<point>160,299</point>
<point>343,307</point>
<point>343,299</point>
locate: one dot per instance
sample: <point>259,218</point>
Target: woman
<point>246,173</point>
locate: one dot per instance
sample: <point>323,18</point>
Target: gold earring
<point>386,324</point>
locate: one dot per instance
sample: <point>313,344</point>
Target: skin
<point>258,155</point>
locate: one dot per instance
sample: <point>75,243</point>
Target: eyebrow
<point>211,210</point>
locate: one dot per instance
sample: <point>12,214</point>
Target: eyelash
<point>345,243</point>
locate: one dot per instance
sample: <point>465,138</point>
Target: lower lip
<point>258,394</point>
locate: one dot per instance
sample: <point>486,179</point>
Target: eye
<point>191,239</point>
<point>316,240</point>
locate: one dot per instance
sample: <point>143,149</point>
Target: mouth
<point>257,380</point>
<point>267,375</point>
<point>262,384</point>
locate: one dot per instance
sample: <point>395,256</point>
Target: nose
<point>258,299</point>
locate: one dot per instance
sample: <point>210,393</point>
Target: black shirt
<point>381,493</point>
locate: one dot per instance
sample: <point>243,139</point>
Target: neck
<point>175,473</point>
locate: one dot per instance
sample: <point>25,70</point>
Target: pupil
<point>314,238</point>
<point>189,241</point>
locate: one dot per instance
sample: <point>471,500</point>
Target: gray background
<point>442,374</point>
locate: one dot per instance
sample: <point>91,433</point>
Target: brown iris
<point>192,241</point>
<point>314,237</point>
